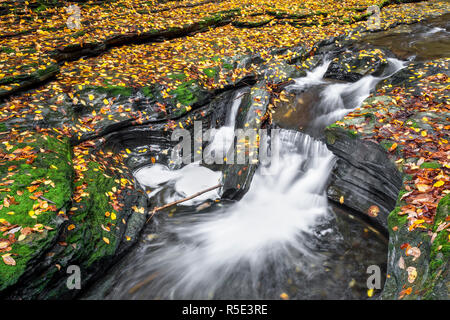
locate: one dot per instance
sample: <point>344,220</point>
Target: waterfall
<point>268,222</point>
<point>236,249</point>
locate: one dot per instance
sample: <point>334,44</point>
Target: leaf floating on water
<point>341,200</point>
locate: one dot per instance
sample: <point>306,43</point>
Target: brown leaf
<point>7,259</point>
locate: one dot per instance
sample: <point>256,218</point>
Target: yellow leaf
<point>423,133</point>
<point>71,227</point>
<point>341,200</point>
<point>91,97</point>
<point>21,237</point>
<point>106,240</point>
<point>113,216</point>
<point>438,184</point>
<point>105,101</point>
<point>370,293</point>
<point>412,274</point>
<point>284,296</point>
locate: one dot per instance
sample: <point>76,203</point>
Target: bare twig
<point>156,209</point>
<point>241,95</point>
<point>143,283</point>
<point>45,199</point>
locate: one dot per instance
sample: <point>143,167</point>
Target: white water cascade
<point>201,256</point>
<point>267,223</point>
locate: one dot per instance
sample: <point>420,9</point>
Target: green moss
<point>147,91</point>
<point>112,90</point>
<point>395,220</point>
<point>386,144</point>
<point>412,123</point>
<point>185,94</point>
<point>78,34</point>
<point>431,165</point>
<point>7,49</point>
<point>227,66</point>
<point>210,72</point>
<point>177,76</point>
<point>90,216</point>
<point>440,243</point>
<point>52,170</point>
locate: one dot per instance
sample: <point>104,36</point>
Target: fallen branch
<point>143,283</point>
<point>156,209</point>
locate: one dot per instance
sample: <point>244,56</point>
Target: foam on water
<point>338,99</point>
<point>267,222</point>
<point>186,181</point>
<point>313,77</point>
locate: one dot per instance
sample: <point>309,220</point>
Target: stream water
<point>282,237</point>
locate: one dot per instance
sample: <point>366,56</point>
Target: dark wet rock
<point>236,177</point>
<point>72,52</point>
<point>276,74</point>
<point>298,108</point>
<point>352,66</point>
<point>363,175</point>
<point>25,81</point>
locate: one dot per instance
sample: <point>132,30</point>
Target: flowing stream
<point>283,238</point>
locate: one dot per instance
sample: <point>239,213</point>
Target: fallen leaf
<point>7,259</point>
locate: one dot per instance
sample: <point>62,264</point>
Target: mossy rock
<point>51,172</point>
<point>111,90</point>
<point>187,93</point>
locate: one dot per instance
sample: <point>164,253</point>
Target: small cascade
<point>269,222</point>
